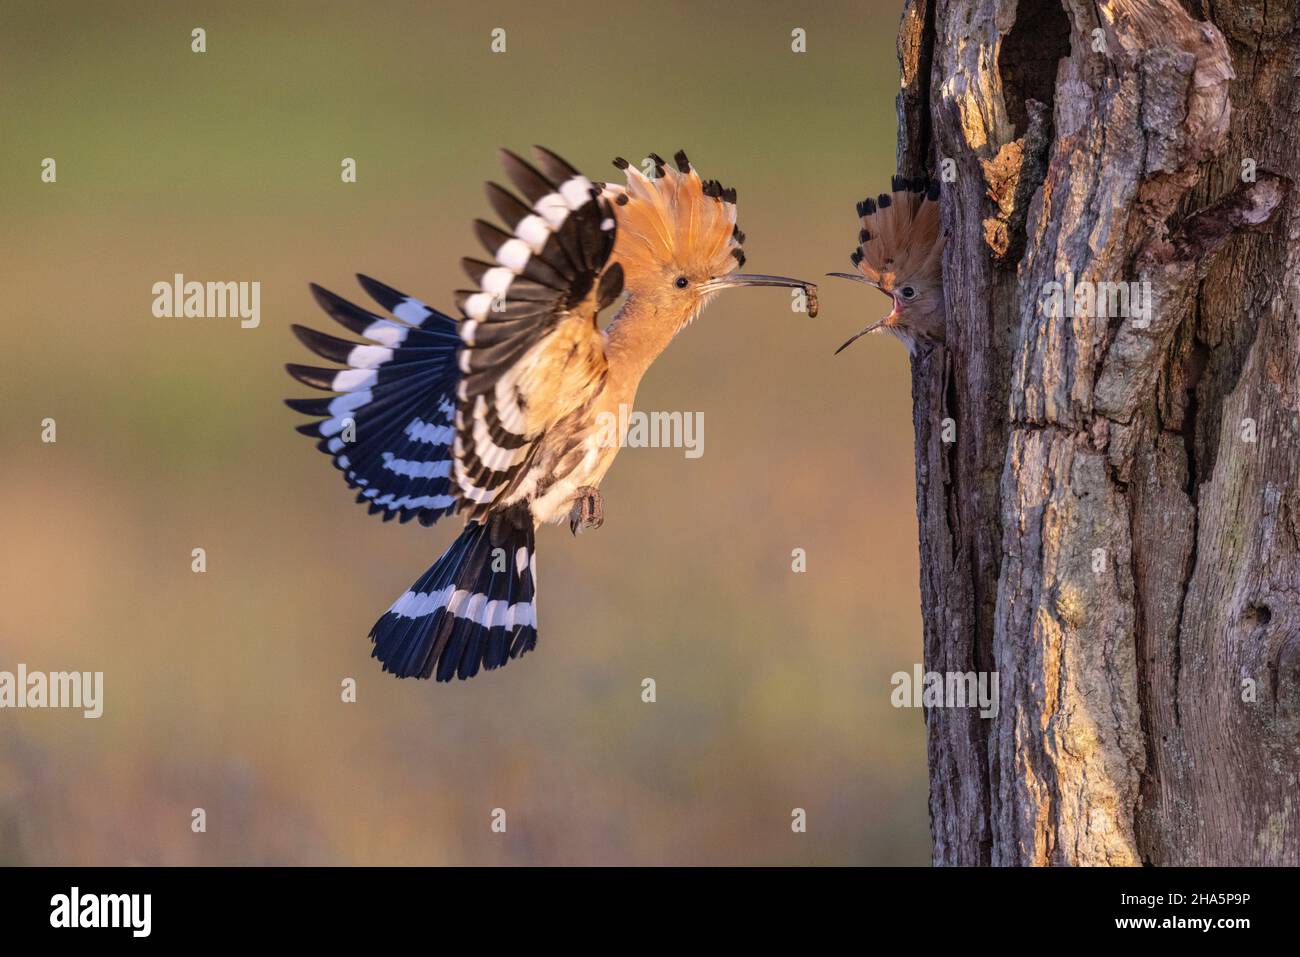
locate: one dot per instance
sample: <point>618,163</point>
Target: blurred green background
<point>223,689</point>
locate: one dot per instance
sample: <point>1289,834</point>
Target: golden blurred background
<point>222,689</point>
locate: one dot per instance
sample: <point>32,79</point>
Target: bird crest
<point>900,240</point>
<point>672,219</point>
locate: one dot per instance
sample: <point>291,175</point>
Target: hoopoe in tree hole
<point>499,414</point>
<point>900,252</point>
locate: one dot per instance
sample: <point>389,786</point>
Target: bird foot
<point>588,510</point>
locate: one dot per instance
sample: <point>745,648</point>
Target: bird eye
<point>907,292</point>
<point>682,282</point>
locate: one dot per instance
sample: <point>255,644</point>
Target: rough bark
<point>1103,532</point>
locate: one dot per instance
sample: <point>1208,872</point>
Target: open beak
<point>867,331</point>
<point>735,280</point>
<point>875,326</point>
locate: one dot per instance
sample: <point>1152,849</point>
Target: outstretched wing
<point>390,430</point>
<point>531,353</point>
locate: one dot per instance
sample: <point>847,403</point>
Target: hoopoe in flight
<point>900,252</point>
<point>501,414</point>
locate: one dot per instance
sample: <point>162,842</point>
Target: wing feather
<point>530,352</point>
<point>390,429</point>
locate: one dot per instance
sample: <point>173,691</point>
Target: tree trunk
<point>1115,530</point>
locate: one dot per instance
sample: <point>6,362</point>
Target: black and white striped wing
<point>390,429</point>
<point>531,352</point>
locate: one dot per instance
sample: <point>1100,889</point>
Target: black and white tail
<point>476,607</point>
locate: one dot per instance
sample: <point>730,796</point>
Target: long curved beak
<point>735,280</point>
<point>856,277</point>
<point>867,331</point>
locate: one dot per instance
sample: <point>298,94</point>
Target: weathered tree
<point>1116,528</point>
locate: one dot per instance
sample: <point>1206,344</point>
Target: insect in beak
<point>735,280</point>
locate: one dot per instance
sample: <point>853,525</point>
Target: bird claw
<point>588,510</point>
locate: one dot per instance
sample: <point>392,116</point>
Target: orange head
<point>677,239</point>
<point>900,252</point>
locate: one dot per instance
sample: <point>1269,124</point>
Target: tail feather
<point>475,608</point>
